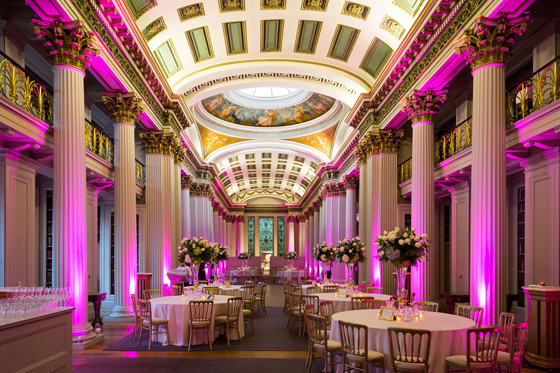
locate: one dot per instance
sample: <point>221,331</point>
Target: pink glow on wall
<point>375,270</point>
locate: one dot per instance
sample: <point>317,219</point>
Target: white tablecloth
<point>177,312</point>
<point>449,336</point>
<point>246,273</point>
<point>225,291</point>
<point>179,275</point>
<point>345,304</point>
<point>296,275</point>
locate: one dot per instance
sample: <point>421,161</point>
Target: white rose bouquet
<point>220,253</point>
<point>244,255</point>
<point>291,255</point>
<point>402,247</point>
<point>195,251</point>
<point>350,250</point>
<point>324,253</point>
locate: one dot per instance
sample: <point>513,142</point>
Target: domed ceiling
<point>295,107</point>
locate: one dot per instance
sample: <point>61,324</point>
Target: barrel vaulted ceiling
<point>327,52</point>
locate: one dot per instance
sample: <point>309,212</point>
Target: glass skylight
<point>268,91</point>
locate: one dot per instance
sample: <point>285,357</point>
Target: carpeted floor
<point>195,365</point>
<point>270,335</point>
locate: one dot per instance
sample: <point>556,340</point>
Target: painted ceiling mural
<point>315,106</point>
<point>212,141</point>
<point>321,141</point>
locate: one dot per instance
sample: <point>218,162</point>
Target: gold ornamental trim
<point>386,141</point>
<point>422,106</point>
<point>490,40</point>
<point>159,142</point>
<point>185,182</point>
<point>351,182</point>
<point>67,43</point>
<point>123,107</point>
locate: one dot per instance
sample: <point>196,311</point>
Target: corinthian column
<point>185,207</point>
<point>240,232</point>
<point>158,147</point>
<point>421,106</point>
<point>124,108</point>
<point>486,47</point>
<point>351,185</point>
<point>291,219</point>
<point>71,48</point>
<point>179,153</point>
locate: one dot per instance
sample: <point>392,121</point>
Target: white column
<point>350,225</point>
<point>154,217</point>
<point>364,230</point>
<point>241,233</point>
<point>317,226</point>
<point>311,238</point>
<point>460,237</point>
<point>92,198</point>
<point>291,232</point>
<point>186,209</point>
<point>177,209</point>
<point>167,251</point>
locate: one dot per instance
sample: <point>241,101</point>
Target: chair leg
<point>134,334</point>
<point>326,361</point>
<point>210,337</point>
<point>167,334</point>
<point>227,330</point>
<point>311,361</point>
<point>151,333</point>
<point>190,336</point>
<point>140,337</point>
<point>252,325</point>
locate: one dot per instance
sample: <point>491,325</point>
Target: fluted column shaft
<point>69,199</point>
<point>350,225</point>
<point>154,217</point>
<point>176,202</point>
<point>167,250</point>
<point>423,210</point>
<point>291,236</point>
<point>125,220</point>
<point>186,213</point>
<point>488,192</point>
<point>241,236</point>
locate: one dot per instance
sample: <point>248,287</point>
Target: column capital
<point>201,190</point>
<point>123,107</point>
<point>351,182</point>
<point>68,43</point>
<point>291,219</point>
<point>386,141</point>
<point>158,142</point>
<point>185,182</point>
<point>490,41</point>
<point>215,206</point>
<point>178,150</point>
<point>240,218</point>
<point>421,106</point>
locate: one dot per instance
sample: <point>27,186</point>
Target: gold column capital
<point>490,40</point>
<point>421,106</point>
<point>185,182</point>
<point>179,151</point>
<point>386,141</point>
<point>68,43</point>
<point>123,107</point>
<point>351,182</point>
<point>158,142</point>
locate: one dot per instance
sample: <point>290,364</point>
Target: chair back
<point>273,271</point>
<point>410,345</point>
<point>517,341</point>
<point>248,291</point>
<point>366,303</point>
<point>427,306</point>
<point>234,293</point>
<point>262,290</point>
<point>330,288</point>
<point>152,293</point>
<point>201,310</point>
<point>249,304</point>
<point>317,329</point>
<point>251,283</point>
<point>306,282</point>
<point>145,310</point>
<point>326,309</point>
<point>296,303</point>
<point>311,300</point>
<point>471,312</point>
<point>203,282</point>
<point>397,301</point>
<point>295,287</point>
<point>234,306</point>
<point>178,283</point>
<point>485,348</point>
<point>208,290</point>
<point>353,338</point>
<point>506,323</point>
<point>176,290</point>
<point>313,290</point>
<point>374,290</point>
<point>134,306</point>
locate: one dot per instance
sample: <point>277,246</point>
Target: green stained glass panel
<point>251,234</point>
<point>281,233</point>
<point>266,235</point>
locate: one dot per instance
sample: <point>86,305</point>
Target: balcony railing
<point>140,172</point>
<point>99,143</point>
<point>454,141</point>
<point>540,89</point>
<point>405,171</point>
<point>17,85</point>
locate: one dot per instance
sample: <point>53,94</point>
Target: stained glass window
<point>266,235</point>
<point>251,234</point>
<point>281,232</point>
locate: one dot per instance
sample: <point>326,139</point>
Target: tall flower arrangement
<point>350,250</point>
<point>220,253</point>
<point>195,251</point>
<point>402,247</point>
<point>291,255</point>
<point>324,253</point>
<point>244,255</point>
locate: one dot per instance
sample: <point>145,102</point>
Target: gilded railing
<point>140,172</point>
<point>405,171</point>
<point>454,141</point>
<point>99,143</point>
<point>28,94</point>
<point>534,93</point>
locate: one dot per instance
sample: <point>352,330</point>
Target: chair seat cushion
<point>332,346</point>
<point>222,319</point>
<point>247,312</point>
<point>372,356</point>
<point>156,321</point>
<point>460,362</point>
<point>503,359</point>
<point>199,324</point>
<point>403,366</point>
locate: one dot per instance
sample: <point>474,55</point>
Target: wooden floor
<point>115,331</point>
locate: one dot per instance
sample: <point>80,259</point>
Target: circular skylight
<point>267,92</point>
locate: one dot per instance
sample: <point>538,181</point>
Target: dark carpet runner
<point>270,335</point>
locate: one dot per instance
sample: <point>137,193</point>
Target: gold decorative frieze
<point>185,182</point>
<point>240,218</point>
<point>490,40</point>
<point>191,11</point>
<point>386,141</point>
<point>158,142</point>
<point>201,190</point>
<point>292,219</point>
<point>351,182</point>
<point>421,106</point>
<point>273,4</point>
<point>154,28</point>
<point>405,171</point>
<point>178,150</point>
<point>99,143</point>
<point>68,43</point>
<point>231,5</point>
<point>392,27</point>
<point>123,107</point>
<point>140,173</point>
<point>318,5</point>
<point>355,10</point>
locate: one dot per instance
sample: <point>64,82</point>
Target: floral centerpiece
<point>325,255</point>
<point>195,251</point>
<point>244,256</point>
<point>290,256</point>
<point>350,251</point>
<point>220,253</point>
<point>402,247</point>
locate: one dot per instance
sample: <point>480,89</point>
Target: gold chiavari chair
<point>330,288</point>
<point>427,306</point>
<point>178,283</point>
<point>374,290</point>
<point>200,319</point>
<point>319,343</point>
<point>366,303</point>
<point>176,290</point>
<point>306,282</point>
<point>326,309</point>
<point>506,323</point>
<point>137,319</point>
<point>273,275</point>
<point>313,290</point>
<point>249,312</point>
<point>410,349</point>
<point>149,322</point>
<point>232,318</point>
<point>471,312</point>
<point>209,290</point>
<point>296,312</point>
<point>152,294</point>
<point>260,301</point>
<point>355,348</point>
<point>511,360</point>
<point>478,358</point>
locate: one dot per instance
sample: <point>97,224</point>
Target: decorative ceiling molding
<point>321,141</point>
<point>212,141</point>
<point>248,195</point>
<point>355,10</point>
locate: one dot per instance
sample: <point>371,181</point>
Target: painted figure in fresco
<point>319,105</point>
<point>298,116</point>
<point>225,112</point>
<point>238,115</point>
<point>268,120</point>
<point>213,104</point>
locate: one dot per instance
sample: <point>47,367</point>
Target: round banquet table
<point>449,336</point>
<point>225,291</point>
<point>291,275</point>
<point>345,304</point>
<point>177,312</point>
